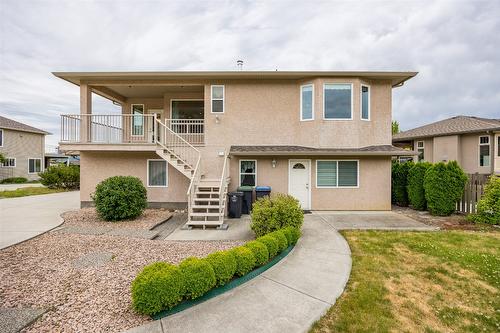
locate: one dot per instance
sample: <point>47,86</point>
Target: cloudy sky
<point>455,45</point>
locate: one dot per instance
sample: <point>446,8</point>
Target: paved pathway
<point>289,297</point>
<point>26,217</point>
<point>12,187</point>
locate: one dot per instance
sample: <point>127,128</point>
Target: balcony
<point>126,129</point>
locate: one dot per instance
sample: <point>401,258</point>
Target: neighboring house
<point>323,137</point>
<point>23,148</point>
<point>471,141</point>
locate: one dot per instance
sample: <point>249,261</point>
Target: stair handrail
<point>223,184</point>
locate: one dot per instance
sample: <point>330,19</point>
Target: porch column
<point>85,109</point>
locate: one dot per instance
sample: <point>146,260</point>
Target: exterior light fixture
<point>217,119</point>
<point>273,162</point>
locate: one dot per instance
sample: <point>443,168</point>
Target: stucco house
<point>23,147</point>
<point>471,141</point>
<point>323,137</point>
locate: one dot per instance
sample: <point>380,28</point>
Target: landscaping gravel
<point>41,273</point>
<point>87,217</point>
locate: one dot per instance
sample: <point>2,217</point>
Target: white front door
<point>299,181</point>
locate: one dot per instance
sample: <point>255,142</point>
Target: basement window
<point>157,173</point>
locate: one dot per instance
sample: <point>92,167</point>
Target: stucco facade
<point>21,146</point>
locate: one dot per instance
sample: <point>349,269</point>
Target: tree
<point>395,127</point>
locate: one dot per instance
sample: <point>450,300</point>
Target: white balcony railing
<point>125,128</point>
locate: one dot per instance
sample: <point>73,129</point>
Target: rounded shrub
<point>444,185</point>
<point>224,266</point>
<point>199,277</point>
<point>271,244</point>
<point>400,182</point>
<point>416,193</point>
<point>158,287</point>
<point>119,198</point>
<point>274,213</point>
<point>245,260</point>
<point>259,251</point>
<point>61,176</point>
<point>281,239</point>
<point>292,234</point>
<point>488,207</point>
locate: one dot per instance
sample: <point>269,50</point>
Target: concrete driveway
<point>26,217</point>
<point>372,220</point>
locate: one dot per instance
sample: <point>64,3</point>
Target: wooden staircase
<point>206,197</point>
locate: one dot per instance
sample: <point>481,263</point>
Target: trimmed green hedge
<point>488,207</point>
<point>14,180</point>
<point>416,193</point>
<point>61,176</point>
<point>400,182</point>
<point>159,286</point>
<point>224,265</point>
<point>444,185</point>
<point>271,244</point>
<point>199,277</point>
<point>245,260</point>
<point>274,213</point>
<point>120,197</point>
<point>259,251</point>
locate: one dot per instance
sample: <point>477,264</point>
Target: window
<point>484,151</point>
<point>365,102</point>
<point>1,138</point>
<point>217,99</point>
<point>330,173</point>
<point>248,172</point>
<point>420,150</point>
<point>337,101</point>
<point>138,119</point>
<point>9,162</point>
<point>307,102</point>
<point>157,173</point>
<point>34,165</point>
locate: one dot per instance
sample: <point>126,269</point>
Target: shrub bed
<point>416,193</point>
<point>274,213</point>
<point>119,198</point>
<point>444,185</point>
<point>14,180</point>
<point>160,286</point>
<point>61,176</point>
<point>488,207</point>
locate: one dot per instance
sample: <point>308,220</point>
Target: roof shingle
<point>17,126</point>
<point>386,150</point>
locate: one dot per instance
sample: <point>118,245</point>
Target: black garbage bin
<point>262,191</point>
<point>246,208</point>
<point>235,204</point>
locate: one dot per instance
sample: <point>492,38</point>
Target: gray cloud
<point>453,44</point>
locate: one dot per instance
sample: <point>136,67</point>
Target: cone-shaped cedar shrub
<point>259,251</point>
<point>488,208</point>
<point>199,277</point>
<point>416,193</point>
<point>271,243</point>
<point>400,182</point>
<point>158,287</point>
<point>444,185</point>
<point>245,260</point>
<point>224,265</point>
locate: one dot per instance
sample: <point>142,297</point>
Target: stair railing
<point>223,186</point>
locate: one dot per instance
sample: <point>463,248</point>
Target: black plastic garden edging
<point>186,304</point>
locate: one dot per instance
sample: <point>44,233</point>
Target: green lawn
<point>23,192</point>
<point>445,281</point>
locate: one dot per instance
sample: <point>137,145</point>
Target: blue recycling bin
<point>262,191</point>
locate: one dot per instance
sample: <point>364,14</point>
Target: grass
<point>445,281</point>
<point>26,191</point>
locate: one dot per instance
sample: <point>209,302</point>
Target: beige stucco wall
<point>22,146</point>
<point>97,166</point>
<point>470,154</point>
<point>446,148</point>
<point>374,192</point>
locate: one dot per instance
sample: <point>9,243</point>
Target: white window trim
<point>337,186</point>
<point>132,120</point>
<point>218,99</point>
<point>479,151</point>
<point>312,104</point>
<point>166,172</point>
<point>1,136</point>
<point>41,165</point>
<point>361,101</point>
<point>423,145</point>
<point>244,173</point>
<point>9,166</point>
<point>324,100</point>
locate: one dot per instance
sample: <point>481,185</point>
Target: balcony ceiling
<point>129,91</point>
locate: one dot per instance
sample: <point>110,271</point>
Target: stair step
<point>205,223</point>
<point>204,214</point>
<point>207,206</point>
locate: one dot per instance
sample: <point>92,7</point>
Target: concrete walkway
<point>289,297</point>
<point>26,217</point>
<point>12,187</point>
